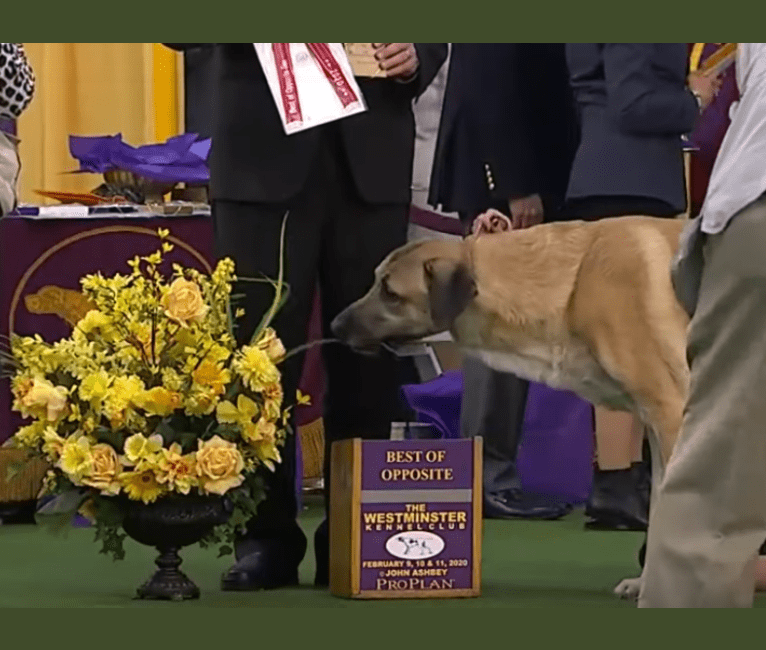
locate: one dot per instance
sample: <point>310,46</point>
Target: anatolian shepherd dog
<point>585,307</point>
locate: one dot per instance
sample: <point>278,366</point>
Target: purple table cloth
<point>40,253</point>
<point>556,450</point>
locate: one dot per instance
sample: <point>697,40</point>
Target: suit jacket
<point>253,160</point>
<point>508,126</point>
<point>633,106</point>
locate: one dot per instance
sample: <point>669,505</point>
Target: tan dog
<point>586,307</point>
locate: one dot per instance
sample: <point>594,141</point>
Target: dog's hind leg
<point>659,395</point>
<point>630,588</point>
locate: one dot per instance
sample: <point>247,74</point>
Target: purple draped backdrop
<point>556,449</point>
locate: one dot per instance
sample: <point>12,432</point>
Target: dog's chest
<point>564,367</point>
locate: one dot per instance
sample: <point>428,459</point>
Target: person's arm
<point>635,100</point>
<point>432,57</point>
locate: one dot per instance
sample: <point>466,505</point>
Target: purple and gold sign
<point>406,519</point>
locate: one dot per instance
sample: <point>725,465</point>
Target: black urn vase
<point>169,524</point>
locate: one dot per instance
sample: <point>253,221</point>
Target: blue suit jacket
<point>633,106</point>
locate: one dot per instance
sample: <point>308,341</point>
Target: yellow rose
<point>159,401</point>
<point>271,345</point>
<point>44,399</point>
<point>105,470</point>
<point>183,302</point>
<point>219,465</point>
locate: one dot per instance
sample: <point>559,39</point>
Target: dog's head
<point>419,290</point>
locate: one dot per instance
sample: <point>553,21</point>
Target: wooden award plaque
<point>406,518</point>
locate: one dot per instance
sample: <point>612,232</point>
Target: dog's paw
<point>628,589</point>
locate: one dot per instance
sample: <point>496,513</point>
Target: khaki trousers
<point>709,518</point>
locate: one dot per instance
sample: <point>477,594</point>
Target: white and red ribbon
<point>332,71</point>
<point>297,114</point>
<point>287,86</point>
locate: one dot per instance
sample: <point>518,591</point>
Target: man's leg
<point>709,519</point>
<point>363,392</point>
<point>269,554</point>
<point>493,406</point>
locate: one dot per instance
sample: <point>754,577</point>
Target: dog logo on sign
<point>414,544</point>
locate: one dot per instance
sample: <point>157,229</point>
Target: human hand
<point>397,60</point>
<point>489,222</point>
<point>706,86</point>
<point>527,211</point>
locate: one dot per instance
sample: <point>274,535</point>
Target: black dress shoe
<point>616,502</point>
<point>322,553</point>
<point>517,504</point>
<point>267,563</point>
<point>642,475</point>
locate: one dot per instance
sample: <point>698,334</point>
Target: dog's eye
<point>387,293</point>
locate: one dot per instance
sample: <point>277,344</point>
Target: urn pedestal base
<point>168,582</point>
<point>168,525</point>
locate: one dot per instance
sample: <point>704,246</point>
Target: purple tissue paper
<point>182,159</point>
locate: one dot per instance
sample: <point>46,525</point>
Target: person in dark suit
<point>346,186</point>
<point>506,141</point>
<point>634,102</point>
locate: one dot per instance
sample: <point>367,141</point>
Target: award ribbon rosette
<point>311,83</point>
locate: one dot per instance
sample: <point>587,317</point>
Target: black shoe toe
<point>268,563</point>
<point>512,504</point>
<point>255,572</point>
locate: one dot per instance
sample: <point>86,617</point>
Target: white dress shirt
<point>739,174</point>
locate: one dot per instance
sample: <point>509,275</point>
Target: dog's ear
<point>451,288</point>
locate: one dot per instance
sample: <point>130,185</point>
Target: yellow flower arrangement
<point>151,396</point>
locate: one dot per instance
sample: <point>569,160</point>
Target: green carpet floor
<point>526,564</point>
